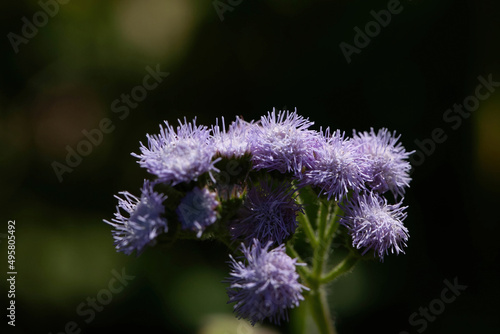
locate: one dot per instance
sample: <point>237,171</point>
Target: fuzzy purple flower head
<point>197,210</point>
<point>142,223</point>
<point>178,156</point>
<point>283,142</point>
<point>337,168</point>
<point>387,166</point>
<point>232,143</point>
<point>374,224</point>
<point>269,213</point>
<point>266,286</point>
<point>264,188</point>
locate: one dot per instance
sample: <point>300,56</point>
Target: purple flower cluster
<point>284,143</point>
<point>374,224</point>
<point>233,142</point>
<point>144,222</point>
<point>387,167</point>
<point>269,214</point>
<point>367,162</point>
<point>181,155</point>
<point>265,164</point>
<point>266,286</point>
<point>338,167</point>
<point>197,210</point>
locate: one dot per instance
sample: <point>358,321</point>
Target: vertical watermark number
<point>11,272</point>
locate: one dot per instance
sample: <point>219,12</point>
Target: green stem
<point>306,225</point>
<point>320,311</point>
<point>322,219</point>
<point>322,246</point>
<point>347,264</point>
<point>317,298</point>
<point>304,271</point>
<point>334,224</point>
<point>327,224</point>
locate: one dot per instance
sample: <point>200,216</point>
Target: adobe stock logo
<point>221,7</point>
<point>120,106</point>
<point>436,306</point>
<point>372,29</point>
<point>454,117</point>
<point>40,19</point>
<point>92,305</point>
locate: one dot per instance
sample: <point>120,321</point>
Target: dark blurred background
<point>63,76</point>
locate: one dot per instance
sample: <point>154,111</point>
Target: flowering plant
<point>270,190</point>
